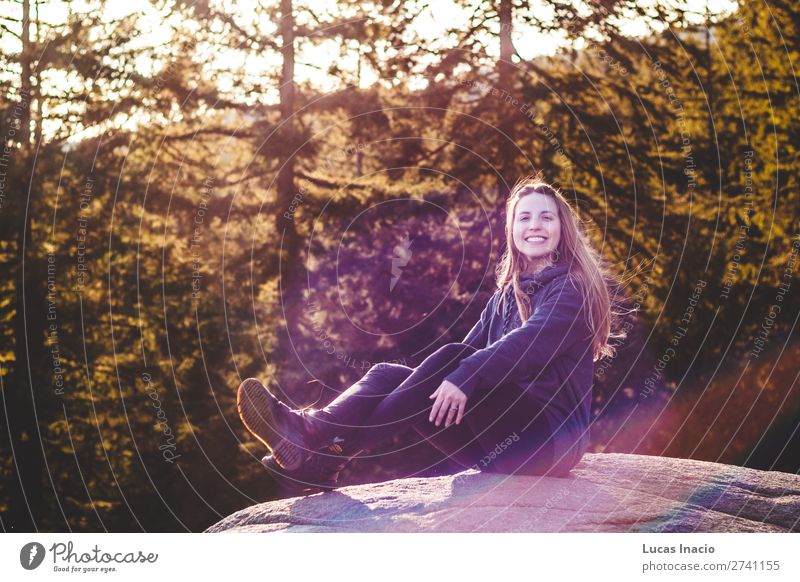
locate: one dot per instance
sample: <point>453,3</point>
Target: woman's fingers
<point>451,414</point>
<point>448,406</point>
<point>456,411</point>
<point>443,409</point>
<point>461,407</point>
<point>436,406</point>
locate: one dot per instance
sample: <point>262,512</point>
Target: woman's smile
<point>535,239</point>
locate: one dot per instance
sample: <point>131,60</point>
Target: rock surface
<point>603,493</point>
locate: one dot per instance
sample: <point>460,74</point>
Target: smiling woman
<point>514,395</point>
<point>537,231</point>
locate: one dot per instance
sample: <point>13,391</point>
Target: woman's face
<point>537,228</point>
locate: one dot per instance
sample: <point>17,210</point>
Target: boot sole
<point>255,405</point>
<point>289,486</point>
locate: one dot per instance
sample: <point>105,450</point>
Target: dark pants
<point>502,430</point>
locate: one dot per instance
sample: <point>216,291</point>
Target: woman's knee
<point>454,351</point>
<point>395,373</point>
<point>445,359</point>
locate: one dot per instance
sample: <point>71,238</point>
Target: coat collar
<point>531,282</point>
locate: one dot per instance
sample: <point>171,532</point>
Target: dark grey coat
<point>550,355</point>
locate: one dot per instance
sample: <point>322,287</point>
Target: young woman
<point>513,397</point>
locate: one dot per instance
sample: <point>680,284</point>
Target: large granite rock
<point>603,493</point>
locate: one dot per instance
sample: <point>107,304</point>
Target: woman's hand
<point>450,402</point>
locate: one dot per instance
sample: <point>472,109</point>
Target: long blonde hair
<point>586,266</point>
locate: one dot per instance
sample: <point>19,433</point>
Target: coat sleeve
<point>552,329</point>
<point>478,336</point>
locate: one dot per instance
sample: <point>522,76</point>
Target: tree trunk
<point>506,47</point>
<point>291,265</point>
<point>25,84</point>
<point>505,76</point>
<point>26,483</point>
<point>713,147</point>
<point>37,120</point>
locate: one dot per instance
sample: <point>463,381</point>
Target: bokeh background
<point>194,192</point>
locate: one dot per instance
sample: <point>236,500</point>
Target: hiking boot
<point>291,435</point>
<point>319,472</point>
